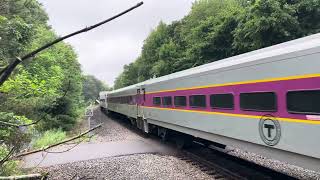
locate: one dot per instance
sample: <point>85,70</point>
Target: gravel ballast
<point>150,166</point>
<point>111,130</point>
<point>141,166</point>
<point>124,133</point>
<point>279,166</point>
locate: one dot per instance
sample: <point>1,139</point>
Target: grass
<point>54,136</point>
<point>48,138</point>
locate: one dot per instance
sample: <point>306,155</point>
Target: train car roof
<point>296,45</point>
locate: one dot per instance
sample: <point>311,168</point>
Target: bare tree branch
<point>9,69</point>
<point>2,123</point>
<point>57,144</point>
<point>29,176</point>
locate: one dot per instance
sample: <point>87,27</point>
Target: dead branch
<point>9,69</point>
<point>2,123</point>
<point>29,176</point>
<point>62,142</point>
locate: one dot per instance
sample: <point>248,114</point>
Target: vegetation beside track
<point>48,138</point>
<point>47,90</point>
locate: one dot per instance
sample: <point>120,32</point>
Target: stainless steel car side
<point>281,131</point>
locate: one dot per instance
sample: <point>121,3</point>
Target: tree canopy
<point>41,83</point>
<point>217,29</point>
<point>47,89</point>
<point>91,88</point>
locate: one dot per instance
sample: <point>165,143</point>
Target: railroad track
<point>224,166</point>
<point>218,163</point>
<point>215,170</point>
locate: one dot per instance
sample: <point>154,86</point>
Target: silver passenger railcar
<point>266,101</point>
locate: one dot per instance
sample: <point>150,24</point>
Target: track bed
<point>165,162</point>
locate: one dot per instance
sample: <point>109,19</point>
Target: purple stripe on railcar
<point>279,87</point>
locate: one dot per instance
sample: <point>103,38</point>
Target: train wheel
<point>183,142</point>
<point>180,143</point>
<point>133,122</point>
<point>163,134</point>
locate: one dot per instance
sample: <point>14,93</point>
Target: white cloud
<point>103,51</point>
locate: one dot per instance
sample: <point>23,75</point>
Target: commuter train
<point>266,101</point>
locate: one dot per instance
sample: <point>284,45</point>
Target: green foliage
<point>18,20</point>
<point>308,13</point>
<point>30,10</point>
<point>49,138</point>
<point>15,35</point>
<point>9,167</point>
<point>12,136</point>
<point>91,88</point>
<point>49,86</point>
<point>266,23</point>
<point>217,29</point>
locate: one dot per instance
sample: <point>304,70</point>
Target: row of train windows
<point>121,100</point>
<point>304,102</point>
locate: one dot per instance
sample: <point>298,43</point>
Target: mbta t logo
<point>270,130</point>
<point>269,127</point>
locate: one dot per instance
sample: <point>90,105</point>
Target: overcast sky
<point>103,52</point>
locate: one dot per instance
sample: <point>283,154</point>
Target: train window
<point>258,101</point>
<point>180,101</point>
<point>157,101</point>
<point>304,102</point>
<point>221,101</point>
<point>127,100</point>
<point>197,101</point>
<point>167,101</point>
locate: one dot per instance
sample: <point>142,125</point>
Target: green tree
<point>91,87</point>
<point>217,29</point>
<point>266,23</point>
<point>211,37</point>
<point>308,14</point>
<point>50,86</point>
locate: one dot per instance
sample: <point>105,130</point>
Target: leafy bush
<point>11,135</point>
<point>48,138</point>
<point>36,86</point>
<point>9,167</point>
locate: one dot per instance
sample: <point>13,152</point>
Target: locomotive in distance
<point>265,101</point>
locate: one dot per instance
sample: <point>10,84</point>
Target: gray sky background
<point>103,52</point>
